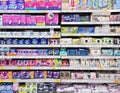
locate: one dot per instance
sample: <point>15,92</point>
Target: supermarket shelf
<point>100,34</point>
<point>89,81</point>
<point>60,80</point>
<point>89,23</point>
<point>90,57</point>
<point>30,46</point>
<point>88,11</point>
<point>29,27</point>
<point>107,46</point>
<point>27,57</point>
<point>56,68</point>
<point>29,11</point>
<point>29,36</point>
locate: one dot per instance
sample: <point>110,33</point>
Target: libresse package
<point>16,20</point>
<point>20,4</point>
<point>40,20</point>
<point>7,19</point>
<point>55,4</point>
<point>30,4</point>
<point>52,19</point>
<point>42,4</point>
<point>12,5</point>
<point>4,4</point>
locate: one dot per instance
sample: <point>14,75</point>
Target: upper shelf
<point>88,11</point>
<point>29,11</point>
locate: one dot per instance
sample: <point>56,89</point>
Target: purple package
<point>15,20</point>
<point>16,75</point>
<point>20,4</point>
<point>49,74</point>
<point>25,75</point>
<point>6,19</point>
<point>4,4</point>
<point>12,4</point>
<point>56,74</point>
<point>39,74</point>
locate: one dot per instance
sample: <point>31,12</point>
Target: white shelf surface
<point>76,46</point>
<point>61,80</point>
<point>90,57</point>
<point>27,57</point>
<point>87,81</point>
<point>29,11</point>
<point>30,46</point>
<point>31,80</point>
<point>56,68</point>
<point>29,36</point>
<point>89,23</point>
<point>99,34</point>
<point>30,27</point>
<point>88,11</point>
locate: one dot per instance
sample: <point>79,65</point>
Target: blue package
<point>39,74</point>
<point>43,52</point>
<point>56,51</point>
<point>20,4</point>
<point>14,41</point>
<point>12,5</point>
<point>86,30</point>
<point>1,42</point>
<point>21,41</point>
<point>35,41</point>
<point>83,52</point>
<point>117,4</point>
<point>4,4</point>
<point>67,18</point>
<point>8,41</point>
<point>50,51</point>
<point>43,41</point>
<point>27,41</point>
<point>72,52</point>
<point>84,18</point>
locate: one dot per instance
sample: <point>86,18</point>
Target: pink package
<point>32,62</point>
<point>42,4</point>
<point>52,19</point>
<point>4,75</point>
<point>55,4</point>
<point>3,62</point>
<point>40,20</point>
<point>20,63</point>
<point>31,20</point>
<point>30,4</point>
<point>6,19</point>
<point>26,63</point>
<point>23,20</point>
<point>16,20</point>
<point>12,62</point>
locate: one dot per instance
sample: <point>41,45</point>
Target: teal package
<point>116,52</point>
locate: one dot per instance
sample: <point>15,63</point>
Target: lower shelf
<point>60,81</point>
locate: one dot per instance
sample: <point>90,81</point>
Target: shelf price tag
<point>2,81</point>
<point>82,35</point>
<point>101,68</point>
<point>57,80</point>
<point>53,68</point>
<point>51,45</point>
<point>14,81</point>
<point>43,11</point>
<point>2,68</point>
<point>106,10</point>
<point>19,68</point>
<point>28,68</point>
<point>27,11</point>
<point>116,81</point>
